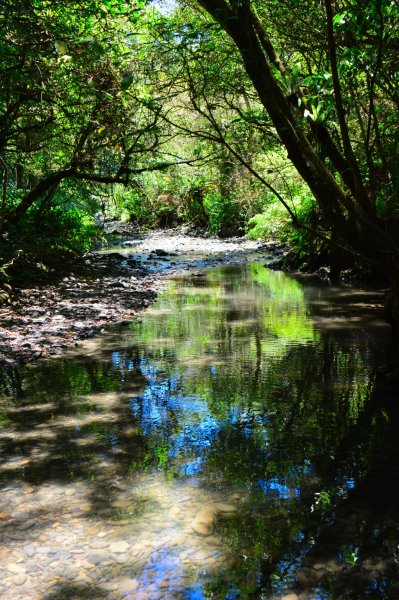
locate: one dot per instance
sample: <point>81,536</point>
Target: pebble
<point>19,579</point>
<point>25,526</point>
<point>98,544</point>
<point>29,550</point>
<point>103,534</point>
<point>109,586</point>
<point>98,557</point>
<point>43,550</point>
<point>121,559</point>
<point>119,547</point>
<point>16,568</point>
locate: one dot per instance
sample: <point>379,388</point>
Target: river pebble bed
<point>112,286</point>
<point>115,539</point>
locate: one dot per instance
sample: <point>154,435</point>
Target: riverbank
<point>108,288</point>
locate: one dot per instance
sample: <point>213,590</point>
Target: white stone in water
<point>121,559</point>
<point>29,550</point>
<point>127,586</point>
<point>109,586</point>
<point>19,579</point>
<point>119,547</point>
<point>98,544</point>
<point>16,568</point>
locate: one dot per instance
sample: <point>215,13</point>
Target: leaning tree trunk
<point>347,213</point>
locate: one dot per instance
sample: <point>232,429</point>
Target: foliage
<point>271,223</point>
<point>181,115</point>
<point>224,213</point>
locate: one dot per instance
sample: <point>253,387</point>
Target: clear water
<point>236,443</point>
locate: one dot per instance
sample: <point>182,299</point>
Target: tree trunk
<point>346,213</point>
<point>39,191</point>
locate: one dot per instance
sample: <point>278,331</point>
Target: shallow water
<point>236,443</point>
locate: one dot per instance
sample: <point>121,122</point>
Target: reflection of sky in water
<point>277,488</point>
<point>157,409</point>
<point>165,571</point>
<point>161,406</point>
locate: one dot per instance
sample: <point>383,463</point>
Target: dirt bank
<point>110,287</point>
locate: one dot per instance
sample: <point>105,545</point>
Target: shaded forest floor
<point>110,287</point>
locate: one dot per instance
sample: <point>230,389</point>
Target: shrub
<point>224,213</point>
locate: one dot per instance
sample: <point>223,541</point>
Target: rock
<point>43,549</point>
<point>29,550</point>
<point>16,568</point>
<point>103,534</point>
<point>5,517</point>
<point>128,586</point>
<point>119,547</point>
<point>223,507</point>
<point>204,520</point>
<point>25,526</point>
<point>109,586</point>
<point>116,256</point>
<point>19,579</point>
<point>98,557</point>
<point>174,511</point>
<point>98,544</point>
<point>121,559</point>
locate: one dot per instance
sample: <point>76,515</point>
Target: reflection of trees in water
<point>355,555</point>
<point>277,419</point>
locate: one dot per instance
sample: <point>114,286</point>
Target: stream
<point>239,441</point>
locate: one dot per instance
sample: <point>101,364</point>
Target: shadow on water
<point>236,443</point>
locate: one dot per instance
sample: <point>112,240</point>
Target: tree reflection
<point>229,390</point>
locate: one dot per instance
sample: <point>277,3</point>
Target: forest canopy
<point>273,118</point>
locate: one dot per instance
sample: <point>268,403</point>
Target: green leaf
<point>127,81</point>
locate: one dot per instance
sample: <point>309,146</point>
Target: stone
<point>29,550</point>
<point>98,557</point>
<point>174,511</point>
<point>19,579</point>
<point>223,507</point>
<point>119,547</point>
<point>43,550</point>
<point>16,568</point>
<point>103,534</point>
<point>290,596</point>
<point>98,544</point>
<point>25,526</point>
<point>109,586</point>
<point>121,559</point>
<point>204,520</point>
<point>128,586</point>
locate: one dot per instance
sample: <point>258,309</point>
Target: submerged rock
<point>205,519</point>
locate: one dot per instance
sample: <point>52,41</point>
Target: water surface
<point>236,443</point>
